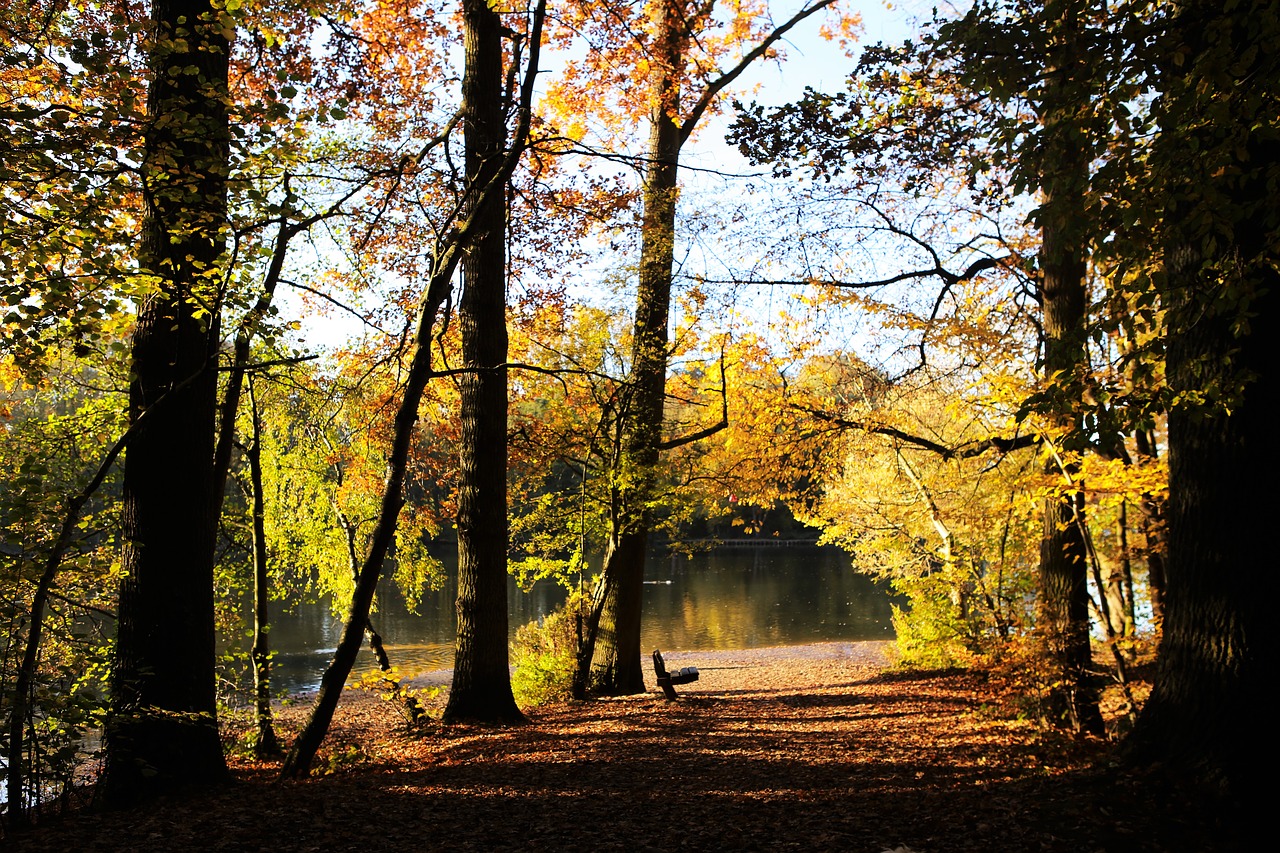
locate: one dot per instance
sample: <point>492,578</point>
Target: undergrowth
<point>544,654</point>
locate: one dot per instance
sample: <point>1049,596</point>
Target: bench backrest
<point>659,666</point>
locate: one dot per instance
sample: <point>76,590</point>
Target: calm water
<point>727,599</point>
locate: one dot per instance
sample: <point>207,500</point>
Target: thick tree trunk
<point>615,667</point>
<point>1210,713</point>
<point>1062,595</point>
<point>481,674</point>
<point>162,731</point>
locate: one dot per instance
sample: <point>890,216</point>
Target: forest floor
<point>817,747</point>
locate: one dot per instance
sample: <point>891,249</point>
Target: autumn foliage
<point>293,292</point>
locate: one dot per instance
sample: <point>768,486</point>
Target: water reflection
<point>751,598</point>
<point>725,599</point>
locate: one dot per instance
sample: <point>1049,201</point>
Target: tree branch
<point>707,432</point>
<point>717,86</point>
<point>965,450</point>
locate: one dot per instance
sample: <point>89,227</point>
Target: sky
<point>814,61</point>
<point>810,60</point>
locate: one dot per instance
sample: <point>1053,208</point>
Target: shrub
<point>544,654</point>
<point>930,632</point>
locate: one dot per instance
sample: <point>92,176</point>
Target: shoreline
<point>861,653</point>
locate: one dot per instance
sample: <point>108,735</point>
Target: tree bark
<point>481,688</point>
<point>162,731</point>
<point>265,743</point>
<point>616,664</point>
<point>1062,594</point>
<point>1209,714</point>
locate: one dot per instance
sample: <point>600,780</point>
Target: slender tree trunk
<point>265,743</point>
<point>350,533</point>
<point>481,672</point>
<point>298,761</point>
<point>1154,534</point>
<point>162,731</point>
<point>350,530</point>
<point>615,667</point>
<point>448,255</point>
<point>1120,578</point>
<point>1063,594</point>
<point>15,753</point>
<point>239,368</point>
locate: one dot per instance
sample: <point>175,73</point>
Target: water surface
<point>730,598</point>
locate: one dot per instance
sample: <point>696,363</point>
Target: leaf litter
<point>818,747</point>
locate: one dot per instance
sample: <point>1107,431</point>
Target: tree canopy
<point>293,292</point>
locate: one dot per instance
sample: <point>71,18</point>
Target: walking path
<point>807,748</point>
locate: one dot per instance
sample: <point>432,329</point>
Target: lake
<point>729,598</point>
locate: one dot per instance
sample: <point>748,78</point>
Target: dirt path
<point>802,748</point>
<point>726,671</point>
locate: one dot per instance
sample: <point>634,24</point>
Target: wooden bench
<point>667,680</point>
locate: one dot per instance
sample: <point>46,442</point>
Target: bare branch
<point>554,372</point>
<point>707,432</point>
<point>275,362</point>
<point>965,450</point>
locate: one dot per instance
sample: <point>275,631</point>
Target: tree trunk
<point>448,254</point>
<point>265,743</point>
<point>1209,714</point>
<point>162,731</point>
<point>615,668</point>
<point>1209,709</point>
<point>481,672</point>
<point>1154,535</point>
<point>1063,593</point>
<point>1120,579</point>
<point>615,655</point>
<point>1062,614</point>
<point>15,753</point>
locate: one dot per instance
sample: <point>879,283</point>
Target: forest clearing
<point>816,747</point>
<point>309,308</point>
